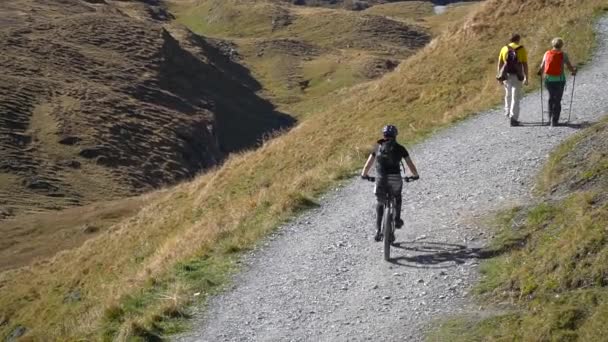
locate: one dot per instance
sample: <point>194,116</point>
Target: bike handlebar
<point>406,179</point>
<point>368,178</point>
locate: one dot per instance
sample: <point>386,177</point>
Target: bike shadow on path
<point>438,254</point>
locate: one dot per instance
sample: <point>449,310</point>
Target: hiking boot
<point>378,236</point>
<point>398,223</point>
<point>514,123</point>
<point>392,238</point>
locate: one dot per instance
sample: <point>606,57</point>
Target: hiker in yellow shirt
<point>512,72</point>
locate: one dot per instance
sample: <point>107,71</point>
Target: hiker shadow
<point>437,254</point>
<point>578,125</point>
<point>533,124</point>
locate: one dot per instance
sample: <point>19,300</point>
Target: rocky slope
<point>103,99</point>
<point>356,5</point>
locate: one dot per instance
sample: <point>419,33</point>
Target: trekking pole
<point>542,102</point>
<point>571,98</point>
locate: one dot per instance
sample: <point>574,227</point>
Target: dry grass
<point>186,239</point>
<point>40,236</point>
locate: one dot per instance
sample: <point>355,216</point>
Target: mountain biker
<point>552,67</point>
<point>388,155</point>
<point>512,73</point>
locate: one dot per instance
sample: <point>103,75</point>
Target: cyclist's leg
<point>379,212</point>
<point>398,203</point>
<point>396,185</point>
<point>380,191</point>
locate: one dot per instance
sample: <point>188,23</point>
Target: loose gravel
<point>322,278</point>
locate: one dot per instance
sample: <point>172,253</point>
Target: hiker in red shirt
<point>552,67</point>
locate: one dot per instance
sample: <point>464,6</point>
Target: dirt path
<point>322,278</point>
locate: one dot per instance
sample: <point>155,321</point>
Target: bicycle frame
<point>388,219</point>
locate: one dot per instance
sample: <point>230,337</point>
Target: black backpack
<point>512,65</point>
<point>387,157</point>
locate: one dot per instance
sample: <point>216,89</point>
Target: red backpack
<point>554,63</point>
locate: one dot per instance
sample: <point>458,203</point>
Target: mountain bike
<point>387,231</point>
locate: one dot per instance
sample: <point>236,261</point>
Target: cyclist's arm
<point>368,165</point>
<point>411,166</point>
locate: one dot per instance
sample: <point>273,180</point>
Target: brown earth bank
<point>106,99</point>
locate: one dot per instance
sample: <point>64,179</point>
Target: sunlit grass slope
<point>555,270</point>
<point>136,278</point>
<point>403,10</point>
<point>299,52</point>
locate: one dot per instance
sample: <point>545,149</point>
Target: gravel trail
<point>322,278</point>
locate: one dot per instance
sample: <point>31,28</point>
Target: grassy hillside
<point>301,53</point>
<point>555,270</point>
<point>99,101</point>
<point>133,280</point>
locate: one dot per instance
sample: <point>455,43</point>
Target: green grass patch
<point>566,171</point>
<point>160,308</point>
<point>409,11</point>
<point>552,262</point>
<point>226,18</point>
<point>467,328</point>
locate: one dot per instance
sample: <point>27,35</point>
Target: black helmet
<point>390,131</point>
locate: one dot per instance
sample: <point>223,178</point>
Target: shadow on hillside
<point>439,254</point>
<point>206,77</point>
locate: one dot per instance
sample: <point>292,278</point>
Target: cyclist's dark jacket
<point>398,149</point>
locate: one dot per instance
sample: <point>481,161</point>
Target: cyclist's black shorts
<point>392,183</point>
